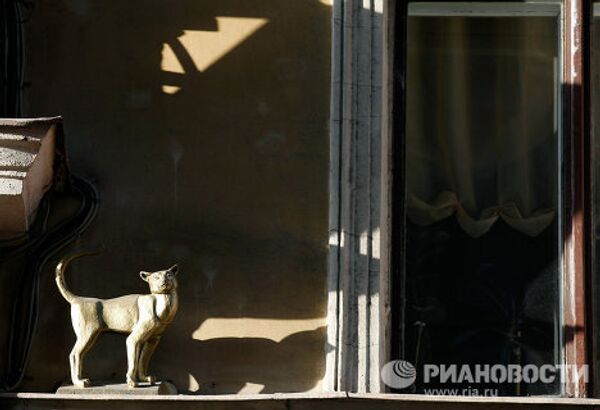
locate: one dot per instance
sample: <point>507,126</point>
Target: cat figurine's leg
<point>134,343</point>
<point>145,355</point>
<point>86,336</point>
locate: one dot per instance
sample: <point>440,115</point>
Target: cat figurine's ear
<point>174,269</point>
<point>144,275</point>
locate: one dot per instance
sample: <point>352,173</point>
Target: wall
<point>204,125</point>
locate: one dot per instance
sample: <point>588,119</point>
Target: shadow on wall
<point>205,127</point>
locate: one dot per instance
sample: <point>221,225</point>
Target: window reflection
<point>482,180</point>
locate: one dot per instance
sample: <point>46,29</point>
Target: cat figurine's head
<point>162,281</point>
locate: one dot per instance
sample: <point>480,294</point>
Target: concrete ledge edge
<point>304,396</point>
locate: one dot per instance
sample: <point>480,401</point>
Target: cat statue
<point>143,317</point>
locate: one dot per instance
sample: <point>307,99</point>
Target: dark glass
<point>483,248</point>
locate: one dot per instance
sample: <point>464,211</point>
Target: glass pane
<point>483,210</point>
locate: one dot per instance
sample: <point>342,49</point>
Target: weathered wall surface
<point>204,125</point>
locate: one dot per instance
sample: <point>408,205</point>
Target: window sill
<point>288,401</point>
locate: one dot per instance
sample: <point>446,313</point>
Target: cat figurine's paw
<point>132,383</point>
<point>150,379</point>
<point>82,383</point>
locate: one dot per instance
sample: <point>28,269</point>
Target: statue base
<point>144,389</point>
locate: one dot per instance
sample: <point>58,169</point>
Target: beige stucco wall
<point>204,125</point>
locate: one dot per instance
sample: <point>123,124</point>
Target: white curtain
<point>482,136</point>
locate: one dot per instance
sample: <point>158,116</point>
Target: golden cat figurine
<point>143,317</point>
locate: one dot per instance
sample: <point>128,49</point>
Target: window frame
<point>577,199</point>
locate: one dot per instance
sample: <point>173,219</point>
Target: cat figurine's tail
<point>60,275</point>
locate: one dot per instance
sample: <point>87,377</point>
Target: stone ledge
<point>287,401</point>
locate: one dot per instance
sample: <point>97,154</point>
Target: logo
<point>398,374</point>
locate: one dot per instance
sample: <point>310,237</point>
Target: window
<point>483,199</point>
<point>489,239</point>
